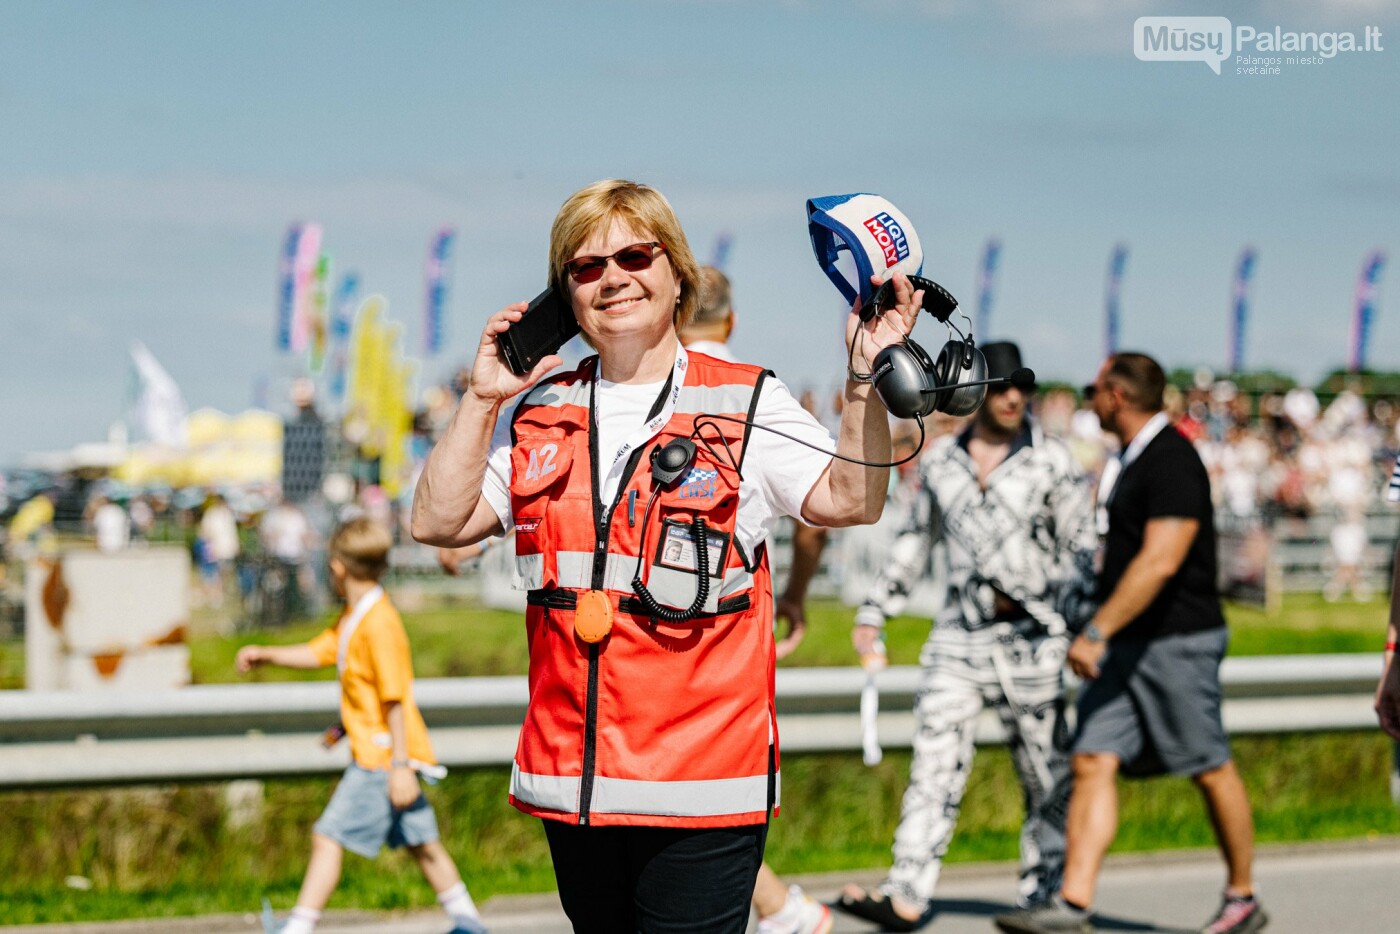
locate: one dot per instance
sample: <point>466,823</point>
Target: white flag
<point>159,412</point>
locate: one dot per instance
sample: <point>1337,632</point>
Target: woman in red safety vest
<point>650,742</point>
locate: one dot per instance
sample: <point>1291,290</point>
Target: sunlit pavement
<point>1347,888</point>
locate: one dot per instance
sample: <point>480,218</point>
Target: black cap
<point>1003,358</point>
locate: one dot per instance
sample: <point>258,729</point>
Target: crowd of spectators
<point>1272,457</point>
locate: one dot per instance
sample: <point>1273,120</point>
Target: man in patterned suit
<point>1016,518</point>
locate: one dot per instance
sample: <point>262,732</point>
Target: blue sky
<point>152,155</point>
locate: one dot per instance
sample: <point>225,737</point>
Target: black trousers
<point>656,880</point>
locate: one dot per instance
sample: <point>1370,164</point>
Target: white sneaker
<point>801,915</point>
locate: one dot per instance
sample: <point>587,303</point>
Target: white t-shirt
<point>621,408</point>
<point>712,348</point>
<point>284,532</point>
<point>778,473</point>
<point>112,528</point>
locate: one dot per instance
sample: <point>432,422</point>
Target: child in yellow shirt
<point>378,800</point>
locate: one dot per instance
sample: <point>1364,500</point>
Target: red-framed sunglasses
<point>633,258</point>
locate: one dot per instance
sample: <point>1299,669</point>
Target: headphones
<point>908,381</point>
<point>911,385</point>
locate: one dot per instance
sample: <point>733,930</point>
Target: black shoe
<point>1052,917</point>
<point>878,910</point>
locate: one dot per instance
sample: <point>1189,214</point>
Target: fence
<point>1257,565</point>
<point>217,732</point>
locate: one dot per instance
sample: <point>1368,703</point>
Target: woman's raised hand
<point>491,377</point>
<point>889,327</point>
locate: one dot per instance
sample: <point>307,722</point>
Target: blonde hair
<point>362,545</point>
<point>642,208</point>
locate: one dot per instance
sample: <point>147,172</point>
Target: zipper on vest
<point>602,522</point>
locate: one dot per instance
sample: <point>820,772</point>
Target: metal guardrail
<point>217,732</point>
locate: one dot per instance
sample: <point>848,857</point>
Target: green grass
<point>467,640</point>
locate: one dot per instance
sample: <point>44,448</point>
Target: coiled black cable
<point>701,540</point>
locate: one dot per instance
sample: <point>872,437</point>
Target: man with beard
<point>1150,657</point>
<point>1015,515</point>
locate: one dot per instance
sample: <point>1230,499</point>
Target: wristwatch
<point>1091,632</point>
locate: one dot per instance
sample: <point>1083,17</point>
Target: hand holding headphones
<point>860,238</point>
<point>874,327</point>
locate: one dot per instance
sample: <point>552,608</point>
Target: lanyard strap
<point>351,622</point>
<point>648,429</point>
<point>1113,469</point>
<point>1144,437</point>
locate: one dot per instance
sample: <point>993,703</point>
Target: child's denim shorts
<point>360,818</point>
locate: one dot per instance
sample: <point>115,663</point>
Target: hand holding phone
<point>546,326</point>
<point>493,377</point>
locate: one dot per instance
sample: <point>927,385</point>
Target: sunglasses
<point>1091,390</point>
<point>632,258</point>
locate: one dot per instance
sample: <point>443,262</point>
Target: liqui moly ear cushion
<point>859,235</point>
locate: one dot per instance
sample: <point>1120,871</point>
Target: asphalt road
<point>1348,888</point>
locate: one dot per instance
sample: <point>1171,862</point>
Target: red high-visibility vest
<point>659,724</point>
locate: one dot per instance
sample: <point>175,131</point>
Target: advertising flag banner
<point>723,243</point>
<point>286,288</point>
<point>1244,271</point>
<point>1116,264</point>
<point>342,318</point>
<point>438,278</point>
<point>308,256</point>
<point>366,369</point>
<point>159,412</point>
<point>1366,284</point>
<point>990,254</point>
<point>317,323</point>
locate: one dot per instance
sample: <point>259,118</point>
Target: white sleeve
<point>784,470</point>
<point>495,484</point>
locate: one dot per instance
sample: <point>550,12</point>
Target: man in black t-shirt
<point>1151,655</point>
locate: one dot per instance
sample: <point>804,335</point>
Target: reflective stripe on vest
<point>576,570</point>
<point>712,798</point>
<point>694,399</point>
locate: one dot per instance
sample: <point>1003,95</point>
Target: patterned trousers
<point>1021,678</point>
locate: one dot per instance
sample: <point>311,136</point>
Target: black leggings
<point>656,880</point>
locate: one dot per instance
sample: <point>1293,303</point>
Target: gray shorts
<point>1156,705</point>
<point>361,818</point>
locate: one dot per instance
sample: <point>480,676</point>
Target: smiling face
<point>622,305</point>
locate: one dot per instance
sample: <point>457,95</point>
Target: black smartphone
<point>546,326</point>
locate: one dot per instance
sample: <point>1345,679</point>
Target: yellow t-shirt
<point>378,671</point>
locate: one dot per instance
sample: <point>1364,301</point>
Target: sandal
<point>879,910</point>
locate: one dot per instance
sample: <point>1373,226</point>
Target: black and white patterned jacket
<point>1030,535</point>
